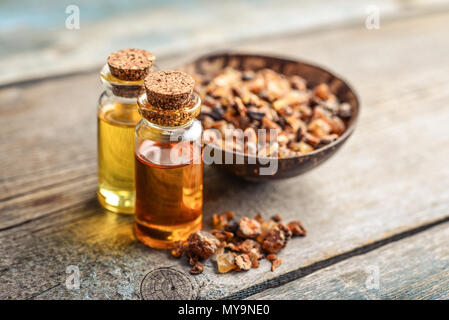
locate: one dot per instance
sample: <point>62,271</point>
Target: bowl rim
<point>343,137</point>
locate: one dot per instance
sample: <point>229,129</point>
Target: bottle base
<point>164,237</point>
<point>119,202</point>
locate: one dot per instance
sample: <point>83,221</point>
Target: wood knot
<point>167,284</point>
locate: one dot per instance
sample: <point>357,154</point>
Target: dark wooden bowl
<point>210,65</point>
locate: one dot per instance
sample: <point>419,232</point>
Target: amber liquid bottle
<point>169,176</point>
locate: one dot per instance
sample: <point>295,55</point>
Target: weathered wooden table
<point>377,214</point>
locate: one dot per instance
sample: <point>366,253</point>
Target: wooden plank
<point>390,177</point>
<point>228,21</point>
<point>413,268</point>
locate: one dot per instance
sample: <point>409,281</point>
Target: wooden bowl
<point>210,65</point>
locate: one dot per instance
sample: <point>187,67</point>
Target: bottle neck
<point>109,94</point>
<point>157,127</point>
<point>120,88</point>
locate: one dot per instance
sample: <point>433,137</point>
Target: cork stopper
<point>170,117</point>
<point>169,90</point>
<point>130,64</point>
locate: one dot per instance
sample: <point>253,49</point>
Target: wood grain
<point>413,268</point>
<point>390,177</point>
<point>61,50</point>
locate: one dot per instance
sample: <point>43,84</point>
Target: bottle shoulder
<point>117,112</point>
<point>148,131</point>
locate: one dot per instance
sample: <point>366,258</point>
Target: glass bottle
<point>169,172</point>
<point>117,118</point>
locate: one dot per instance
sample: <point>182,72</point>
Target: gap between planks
<point>43,291</point>
<point>307,270</point>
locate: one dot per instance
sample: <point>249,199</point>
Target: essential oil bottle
<point>123,78</point>
<point>168,157</point>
